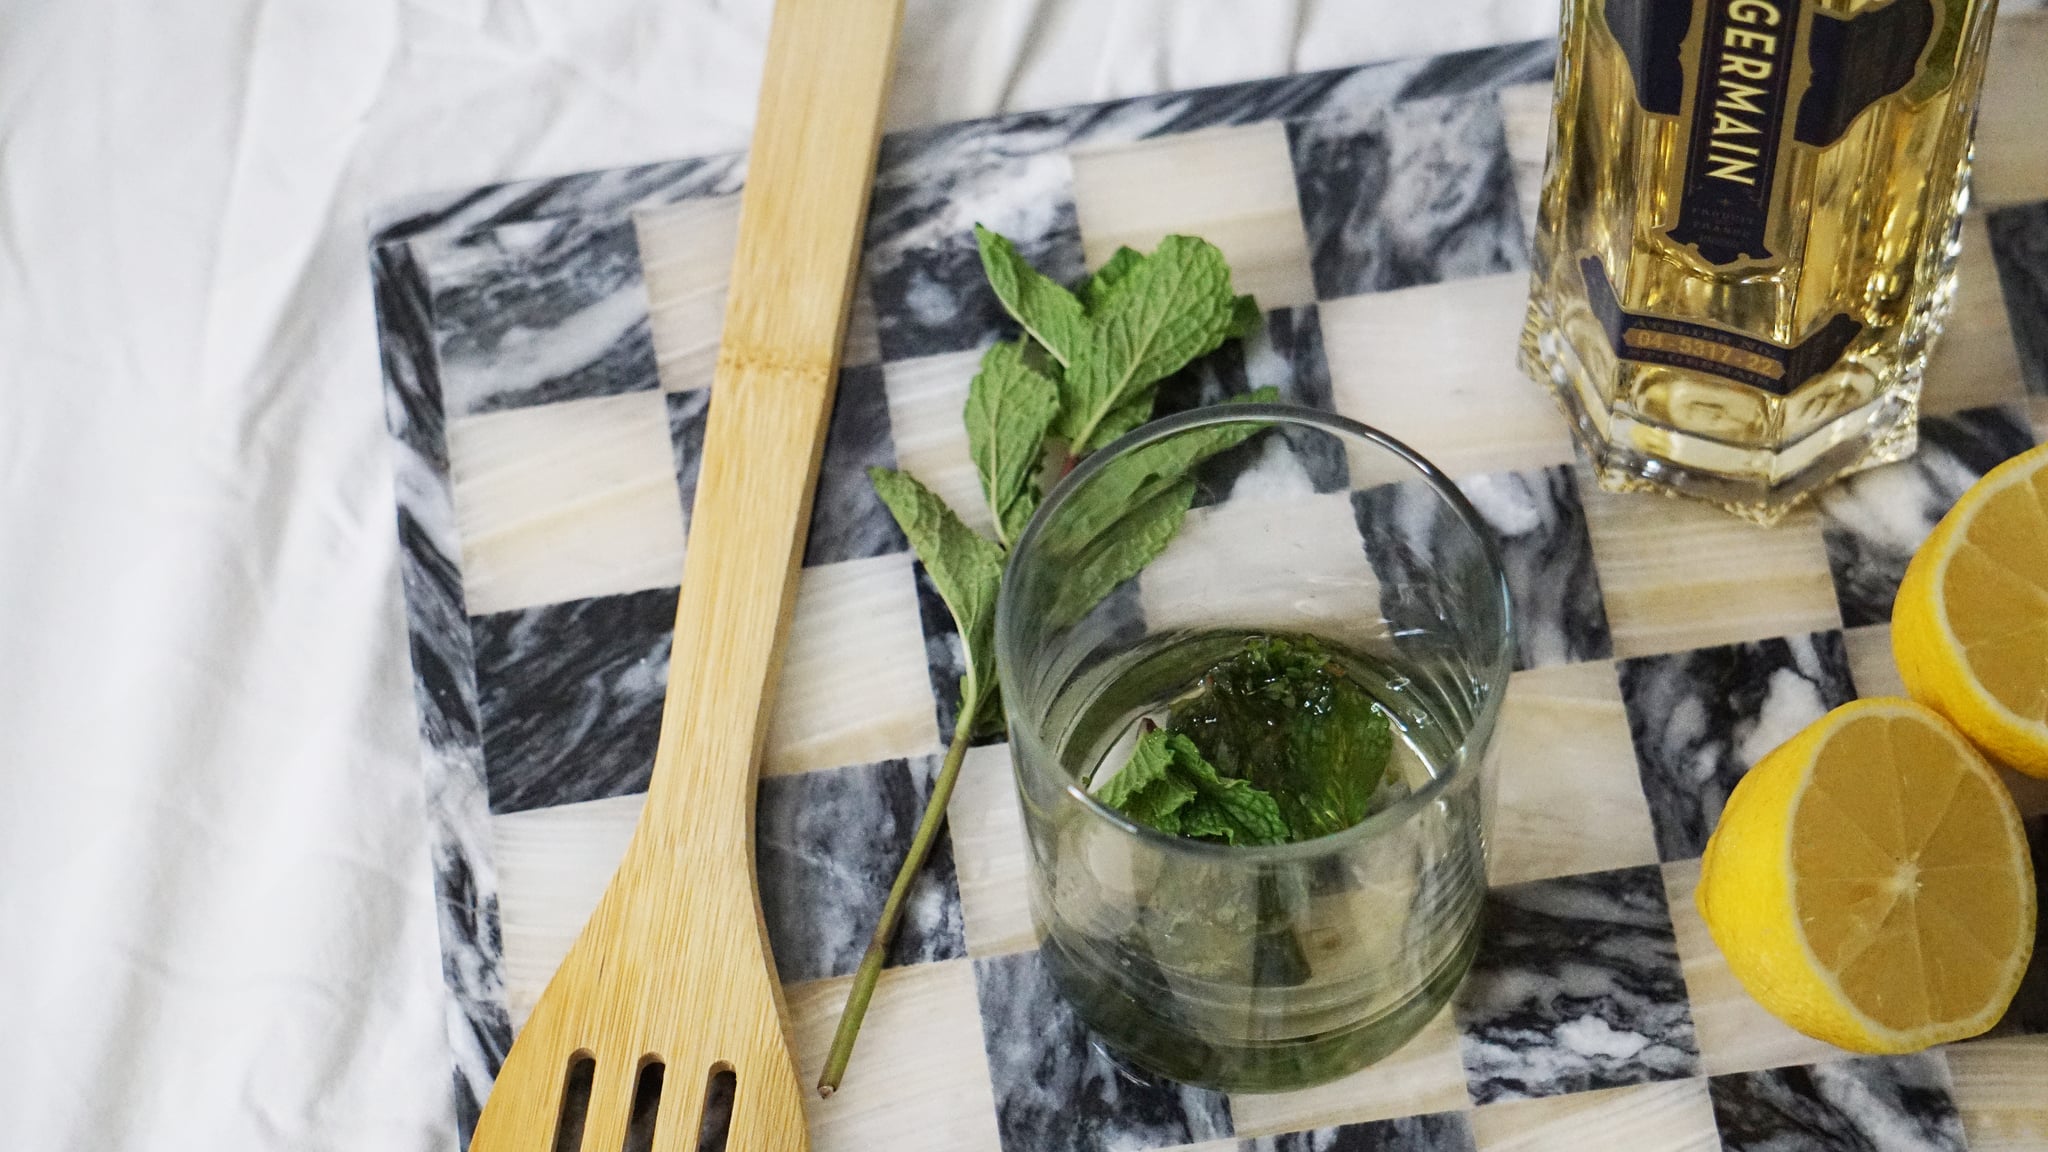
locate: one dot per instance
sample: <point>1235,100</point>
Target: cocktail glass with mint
<point>1254,763</point>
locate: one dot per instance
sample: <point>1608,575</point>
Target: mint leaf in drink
<point>1167,785</point>
<point>1166,310</point>
<point>1097,287</point>
<point>1049,313</point>
<point>1287,717</point>
<point>965,566</point>
<point>1010,405</point>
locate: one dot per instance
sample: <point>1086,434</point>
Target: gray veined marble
<point>1576,986</point>
<point>1420,194</point>
<point>1540,527</point>
<point>444,687</point>
<point>1872,1104</point>
<point>1873,521</point>
<point>571,697</point>
<point>687,414</point>
<point>2019,246</point>
<point>1431,1132</point>
<point>613,192</point>
<point>1701,719</point>
<point>539,312</point>
<point>1286,354</point>
<point>826,849</point>
<point>848,521</point>
<point>1057,1090</point>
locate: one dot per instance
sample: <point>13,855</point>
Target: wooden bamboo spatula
<point>673,967</point>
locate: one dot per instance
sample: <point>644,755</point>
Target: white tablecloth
<point>215,919</point>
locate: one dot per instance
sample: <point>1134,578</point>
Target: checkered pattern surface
<point>548,348</point>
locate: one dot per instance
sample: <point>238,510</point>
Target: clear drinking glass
<point>1255,968</point>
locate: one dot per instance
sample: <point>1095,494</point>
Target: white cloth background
<point>215,919</point>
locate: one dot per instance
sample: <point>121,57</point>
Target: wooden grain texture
<point>673,965</point>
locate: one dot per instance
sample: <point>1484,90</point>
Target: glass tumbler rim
<point>1498,667</point>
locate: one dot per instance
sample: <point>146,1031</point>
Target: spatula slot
<point>582,1072</point>
<point>718,1097</point>
<point>646,1106</point>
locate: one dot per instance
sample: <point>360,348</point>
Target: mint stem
<point>870,968</point>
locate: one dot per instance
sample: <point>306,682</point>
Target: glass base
<point>1142,1036</point>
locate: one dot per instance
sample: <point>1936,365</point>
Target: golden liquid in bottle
<point>1864,227</point>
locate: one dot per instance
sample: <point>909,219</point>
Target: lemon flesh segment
<point>1870,884</point>
<point>1970,626</point>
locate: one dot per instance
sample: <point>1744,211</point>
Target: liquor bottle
<point>1748,235</point>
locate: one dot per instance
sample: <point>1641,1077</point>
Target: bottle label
<point>1750,79</point>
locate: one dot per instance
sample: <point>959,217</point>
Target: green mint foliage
<point>967,569</point>
<point>1107,277</point>
<point>1286,717</point>
<point>1164,311</point>
<point>1049,313</point>
<point>1246,320</point>
<point>1010,405</point>
<point>1130,511</point>
<point>1167,785</point>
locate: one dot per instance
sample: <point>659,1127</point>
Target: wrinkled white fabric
<point>215,920</point>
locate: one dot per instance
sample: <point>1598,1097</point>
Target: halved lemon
<point>1970,625</point>
<point>1869,882</point>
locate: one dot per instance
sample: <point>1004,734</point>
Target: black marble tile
<point>1576,986</point>
<point>539,312</point>
<point>2027,1015</point>
<point>571,697</point>
<point>687,413</point>
<point>612,192</point>
<point>1431,1132</point>
<point>1701,719</point>
<point>1058,1090</point>
<point>848,521</point>
<point>1411,537</point>
<point>2019,246</point>
<point>1872,1104</point>
<point>1873,521</point>
<point>827,846</point>
<point>1421,194</point>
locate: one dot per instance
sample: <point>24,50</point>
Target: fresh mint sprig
<point>1084,372</point>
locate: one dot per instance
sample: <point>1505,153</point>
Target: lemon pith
<point>1869,882</point>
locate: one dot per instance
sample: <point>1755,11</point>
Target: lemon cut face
<point>1970,625</point>
<point>1869,882</point>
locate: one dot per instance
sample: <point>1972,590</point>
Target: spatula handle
<point>792,286</point>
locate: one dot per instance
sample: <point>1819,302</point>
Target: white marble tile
<point>1974,363</point>
<point>553,864</point>
<point>1525,113</point>
<point>1292,564</point>
<point>562,501</point>
<point>990,854</point>
<point>1566,765</point>
<point>1735,1033</point>
<point>686,256</point>
<point>1679,574</point>
<point>2012,132</point>
<point>1423,1075</point>
<point>1672,1117</point>
<point>923,1030</point>
<point>926,396</point>
<point>1233,187</point>
<point>1422,364</point>
<point>854,687</point>
<point>2001,1089</point>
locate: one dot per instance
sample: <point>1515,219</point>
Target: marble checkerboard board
<point>547,348</point>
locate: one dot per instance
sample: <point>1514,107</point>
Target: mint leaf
<point>1097,287</point>
<point>1168,786</point>
<point>1009,406</point>
<point>965,566</point>
<point>1288,718</point>
<point>1141,534</point>
<point>1168,309</point>
<point>1049,313</point>
<point>1246,319</point>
